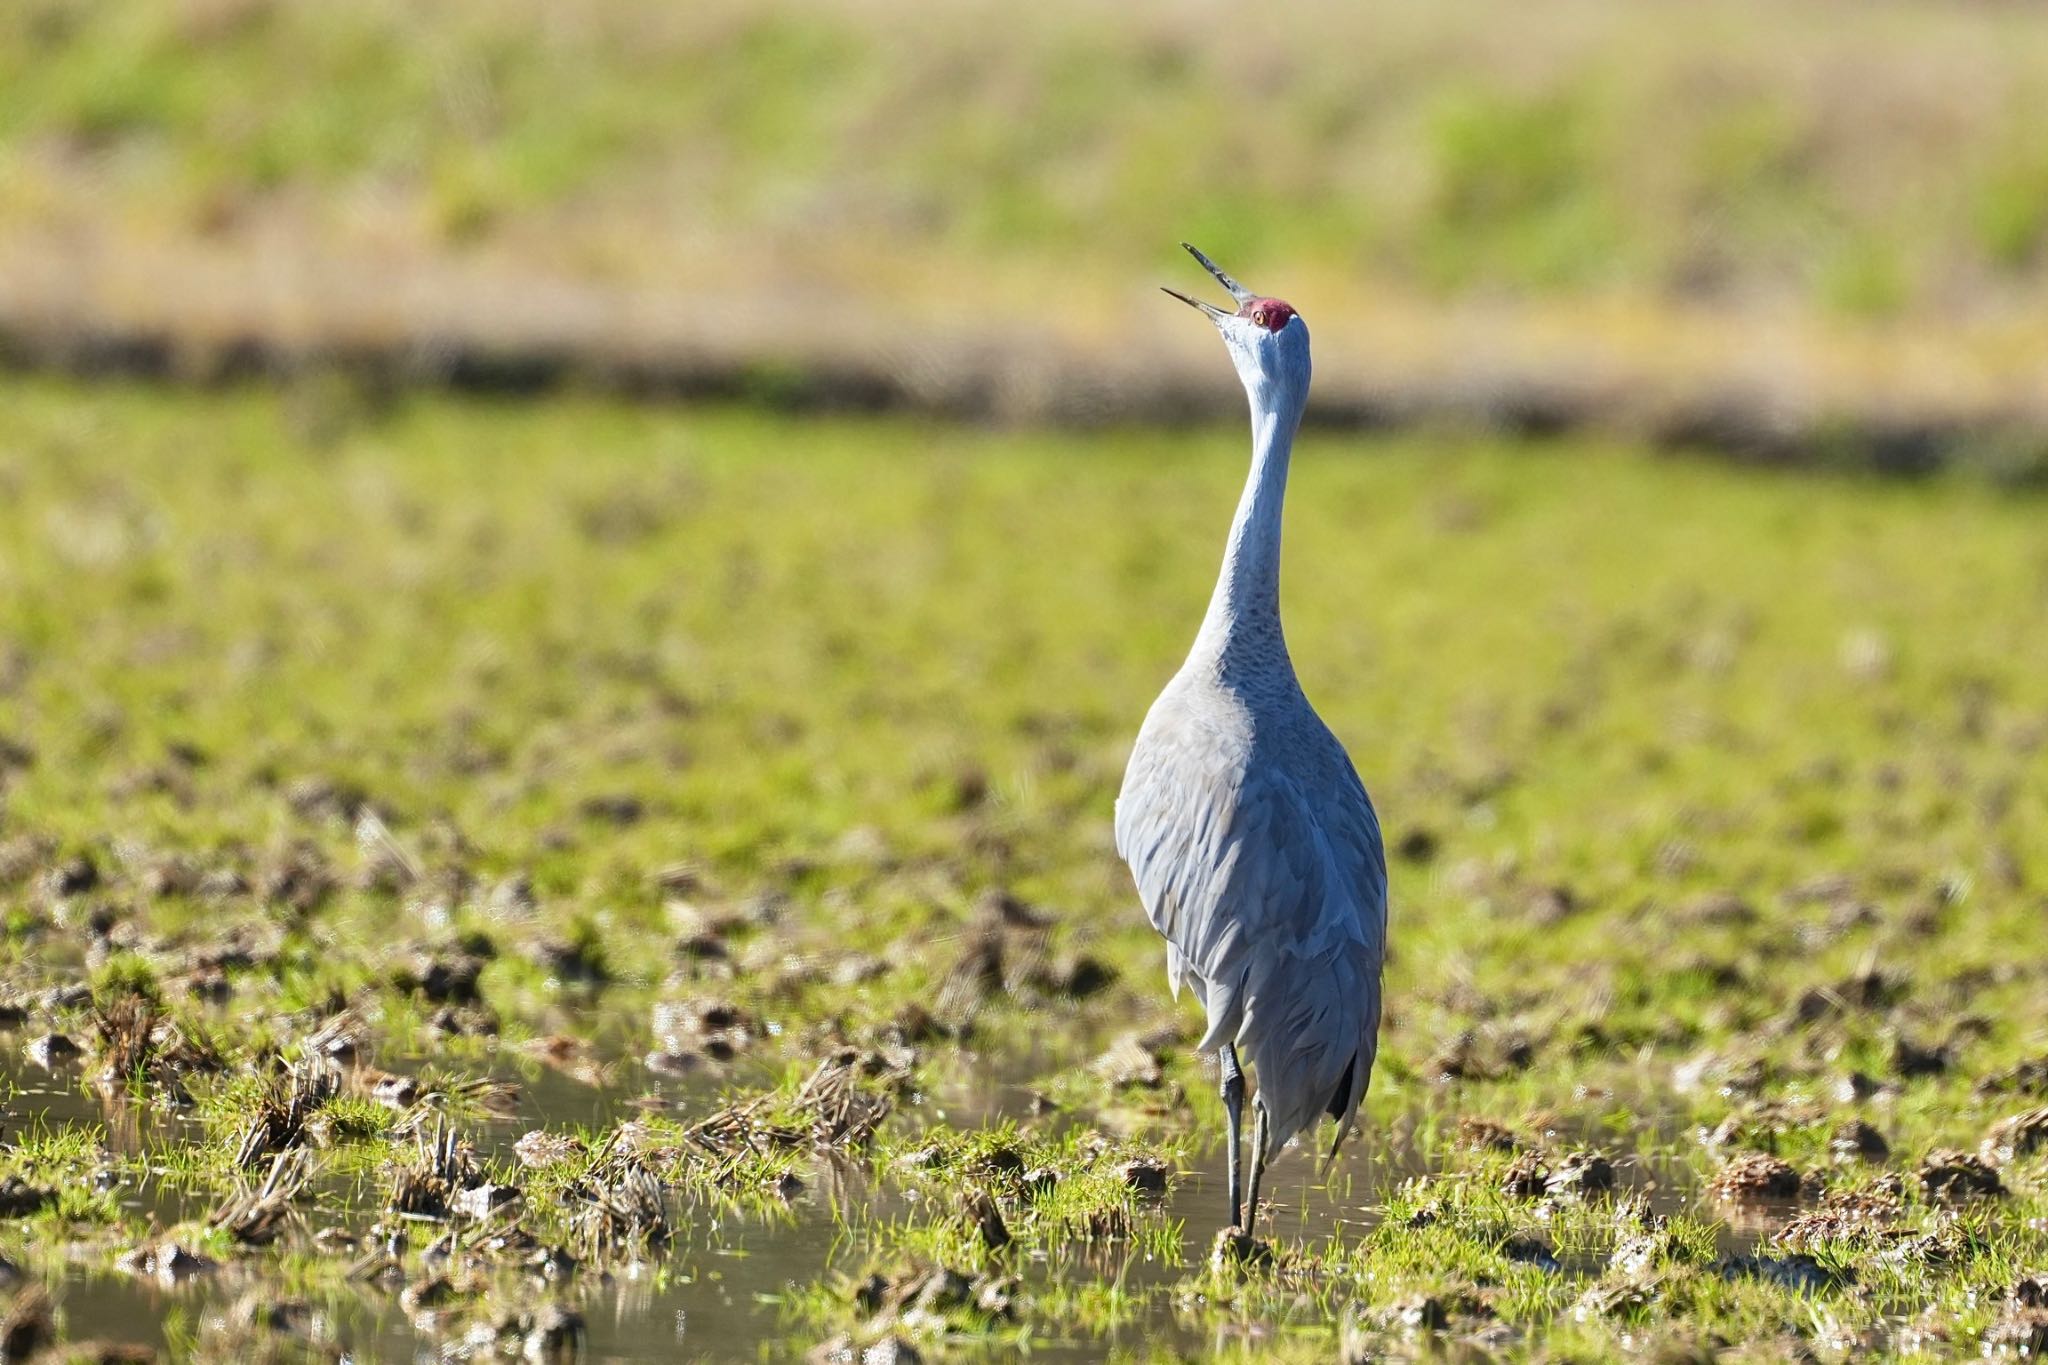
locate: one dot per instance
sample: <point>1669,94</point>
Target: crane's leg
<point>1233,1108</point>
<point>1251,1212</point>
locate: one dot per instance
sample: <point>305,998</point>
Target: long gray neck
<point>1245,609</point>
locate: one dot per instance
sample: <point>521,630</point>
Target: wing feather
<point>1273,902</point>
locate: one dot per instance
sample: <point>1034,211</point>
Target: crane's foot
<point>1236,1248</point>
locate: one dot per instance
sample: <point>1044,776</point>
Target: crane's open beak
<point>1237,291</point>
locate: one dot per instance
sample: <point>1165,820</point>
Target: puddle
<point>711,1294</point>
<point>715,1292</point>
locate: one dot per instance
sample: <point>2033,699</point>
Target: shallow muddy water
<point>711,1296</point>
<point>714,1293</point>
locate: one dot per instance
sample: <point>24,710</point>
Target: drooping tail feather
<point>1343,1109</point>
<point>1311,1028</point>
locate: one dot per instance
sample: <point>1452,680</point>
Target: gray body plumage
<point>1258,857</point>
<point>1255,848</point>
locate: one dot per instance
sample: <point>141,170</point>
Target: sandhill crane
<point>1255,847</point>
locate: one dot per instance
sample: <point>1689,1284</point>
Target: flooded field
<point>719,1287</point>
<point>713,1292</point>
<point>573,881</point>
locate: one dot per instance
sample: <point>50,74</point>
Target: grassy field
<point>1732,150</point>
<point>1801,226</point>
<point>726,800</point>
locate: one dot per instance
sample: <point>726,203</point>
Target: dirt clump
<point>1581,1174</point>
<point>74,876</point>
<point>925,1297</point>
<point>1911,1060</point>
<point>1856,1140</point>
<point>622,1205</point>
<point>2029,1077</point>
<point>1473,1056</point>
<point>573,1057</point>
<point>1074,976</point>
<point>427,1183</point>
<point>285,1108</point>
<point>297,876</point>
<point>386,866</point>
<point>132,1039</point>
<point>2016,1136</point>
<point>542,1148</point>
<point>1484,1135</point>
<point>1532,1251</point>
<point>51,1050</point>
<point>1718,910</point>
<point>19,1199</point>
<point>1859,1088</point>
<point>1950,1175</point>
<point>315,797</point>
<point>1737,1076</point>
<point>621,809</point>
<point>169,1262</point>
<point>1005,952</point>
<point>255,1216</point>
<point>847,1096</point>
<point>1234,1248</point>
<point>574,959</point>
<point>30,1326</point>
<point>1642,1254</point>
<point>1526,1177</point>
<point>546,1335</point>
<point>1755,1177</point>
<point>986,1219</point>
<point>1143,1174</point>
<point>447,975</point>
<point>714,1028</point>
<point>1797,1272</point>
<point>1130,1063</point>
<point>842,1350</point>
<point>2018,1331</point>
<point>1435,1312</point>
<point>1627,1298</point>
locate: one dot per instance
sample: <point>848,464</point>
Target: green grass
<point>1708,787</point>
<point>1735,151</point>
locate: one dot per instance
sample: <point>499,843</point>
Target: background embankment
<point>1796,232</point>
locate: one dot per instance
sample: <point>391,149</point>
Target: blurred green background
<point>1834,198</point>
